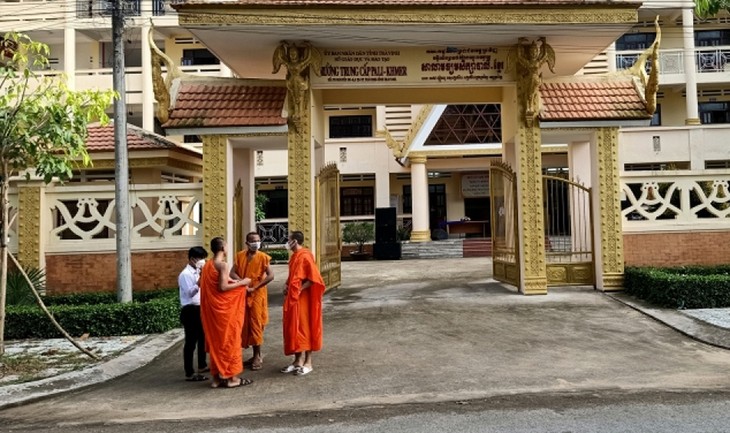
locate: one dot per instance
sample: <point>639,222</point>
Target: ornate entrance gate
<point>568,232</point>
<point>327,215</point>
<point>503,195</point>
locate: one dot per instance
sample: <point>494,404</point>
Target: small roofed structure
<point>152,157</point>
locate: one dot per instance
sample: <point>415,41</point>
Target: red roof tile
<point>227,104</point>
<point>592,100</point>
<point>101,139</point>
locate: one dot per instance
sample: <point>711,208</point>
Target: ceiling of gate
<point>245,33</point>
<point>248,50</point>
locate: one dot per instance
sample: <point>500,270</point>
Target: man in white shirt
<point>190,314</point>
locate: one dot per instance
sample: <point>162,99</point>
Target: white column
<point>225,71</point>
<point>382,188</point>
<point>69,55</point>
<point>611,57</point>
<point>580,166</point>
<point>420,231</point>
<point>148,96</point>
<point>690,67</point>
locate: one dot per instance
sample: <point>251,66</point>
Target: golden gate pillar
<point>607,211</point>
<point>526,60</point>
<point>300,59</point>
<point>216,195</point>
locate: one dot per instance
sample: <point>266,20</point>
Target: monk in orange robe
<point>221,310</point>
<point>302,307</point>
<point>255,265</point>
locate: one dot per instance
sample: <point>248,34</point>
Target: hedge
<point>152,312</point>
<point>682,287</point>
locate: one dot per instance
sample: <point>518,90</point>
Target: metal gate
<point>568,232</point>
<point>327,210</point>
<point>503,196</point>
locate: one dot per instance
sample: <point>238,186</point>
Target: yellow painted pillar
<point>607,214</point>
<point>420,231</point>
<point>31,236</point>
<point>531,226</point>
<point>216,204</point>
<point>298,58</point>
<point>300,185</point>
<point>528,156</point>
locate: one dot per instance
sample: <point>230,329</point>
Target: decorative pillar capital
<point>417,159</point>
<point>526,59</point>
<point>300,59</point>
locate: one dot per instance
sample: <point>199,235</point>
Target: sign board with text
<point>342,67</point>
<point>475,185</point>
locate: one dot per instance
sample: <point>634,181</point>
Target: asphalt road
<point>701,412</point>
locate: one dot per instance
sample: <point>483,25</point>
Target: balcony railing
<point>707,60</point>
<point>96,8</point>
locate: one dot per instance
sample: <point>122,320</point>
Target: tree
<point>43,129</point>
<point>709,8</point>
<point>358,233</point>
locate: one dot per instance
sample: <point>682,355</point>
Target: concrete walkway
<point>421,331</point>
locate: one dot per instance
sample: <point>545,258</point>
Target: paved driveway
<point>420,331</point>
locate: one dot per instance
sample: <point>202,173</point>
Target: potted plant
<point>358,233</point>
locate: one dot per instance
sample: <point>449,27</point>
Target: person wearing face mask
<point>302,319</point>
<point>190,314</point>
<point>254,264</point>
<point>222,302</point>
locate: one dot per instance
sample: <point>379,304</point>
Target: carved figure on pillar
<point>161,86</point>
<point>526,59</point>
<point>299,59</point>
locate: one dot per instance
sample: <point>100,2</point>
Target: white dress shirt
<point>188,283</point>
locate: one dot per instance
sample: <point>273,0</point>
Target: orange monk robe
<point>222,316</point>
<point>303,308</point>
<point>257,302</point>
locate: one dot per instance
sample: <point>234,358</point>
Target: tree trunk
<point>39,300</point>
<point>4,209</point>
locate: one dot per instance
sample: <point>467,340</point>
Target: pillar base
<point>420,235</point>
<point>534,286</point>
<point>612,282</point>
<point>692,121</point>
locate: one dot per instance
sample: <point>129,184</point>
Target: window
<point>634,41</point>
<point>277,205</point>
<point>657,166</point>
<point>407,205</point>
<point>468,124</point>
<point>712,38</point>
<point>714,112</point>
<point>198,56</point>
<point>357,201</point>
<point>656,119</point>
<point>351,126</point>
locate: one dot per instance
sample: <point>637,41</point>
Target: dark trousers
<point>194,336</point>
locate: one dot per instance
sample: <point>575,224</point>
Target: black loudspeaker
<point>387,251</point>
<point>385,225</point>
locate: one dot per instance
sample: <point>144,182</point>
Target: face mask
<point>253,246</point>
<point>199,264</point>
<point>288,246</point>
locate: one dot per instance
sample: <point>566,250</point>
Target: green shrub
<point>358,233</point>
<point>278,255</point>
<point>97,314</point>
<point>18,292</point>
<point>682,287</point>
<point>107,297</point>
